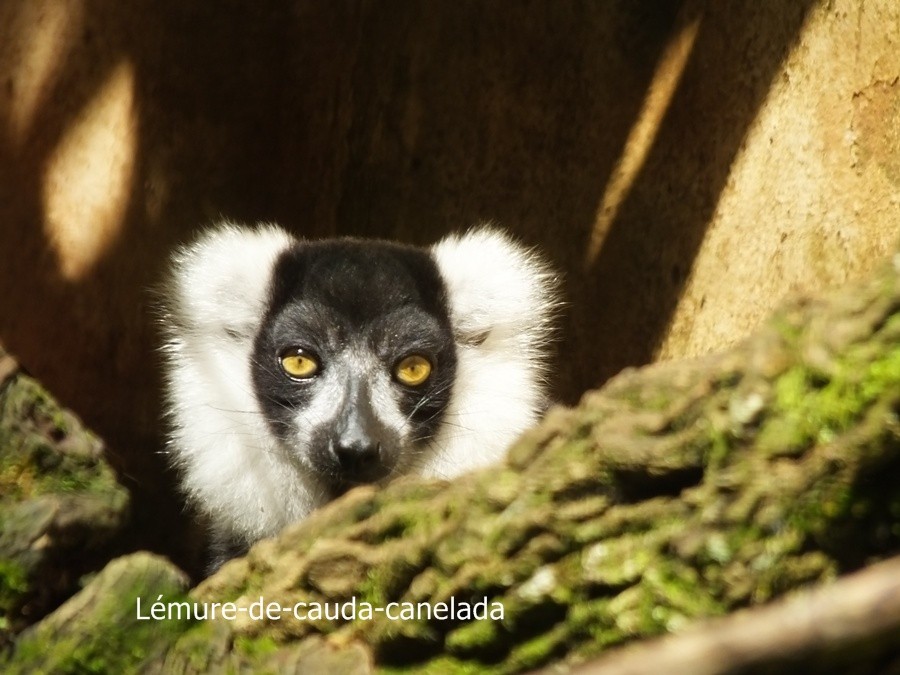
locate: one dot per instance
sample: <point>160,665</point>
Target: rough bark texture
<point>62,512</point>
<point>678,492</point>
<point>851,626</point>
<point>98,631</point>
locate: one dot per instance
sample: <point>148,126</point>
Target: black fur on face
<point>357,310</point>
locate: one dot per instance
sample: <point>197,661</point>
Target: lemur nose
<point>359,461</point>
<point>357,443</point>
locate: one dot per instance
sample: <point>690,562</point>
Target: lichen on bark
<point>99,630</point>
<point>61,507</point>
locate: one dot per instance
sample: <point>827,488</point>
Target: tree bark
<point>851,626</point>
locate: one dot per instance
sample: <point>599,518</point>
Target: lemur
<point>298,369</point>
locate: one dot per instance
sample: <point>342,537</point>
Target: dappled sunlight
<point>34,37</point>
<point>88,177</point>
<point>643,132</point>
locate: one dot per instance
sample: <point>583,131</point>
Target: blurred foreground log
<point>682,491</point>
<point>850,626</point>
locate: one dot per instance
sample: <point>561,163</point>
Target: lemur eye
<point>413,370</point>
<point>298,363</point>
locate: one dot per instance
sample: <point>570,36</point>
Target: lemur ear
<point>219,283</point>
<point>501,293</point>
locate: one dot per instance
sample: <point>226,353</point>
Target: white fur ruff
<point>502,298</point>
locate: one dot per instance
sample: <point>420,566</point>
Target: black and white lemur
<point>297,369</point>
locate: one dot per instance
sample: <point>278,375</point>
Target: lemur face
<point>354,363</point>
<point>295,369</point>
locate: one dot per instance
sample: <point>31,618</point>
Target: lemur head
<point>354,361</point>
<point>297,369</point>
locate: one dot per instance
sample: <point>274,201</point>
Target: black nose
<point>359,460</point>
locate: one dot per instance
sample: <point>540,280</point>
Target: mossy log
<point>62,511</point>
<point>677,492</point>
<point>851,626</point>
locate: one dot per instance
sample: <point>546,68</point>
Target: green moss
<point>674,589</point>
<point>790,330</point>
<point>32,425</point>
<point>590,618</point>
<point>13,584</point>
<point>196,650</point>
<point>108,635</point>
<point>372,590</point>
<point>539,650</point>
<point>790,429</point>
<point>816,510</point>
<point>255,647</point>
<point>618,561</point>
<point>472,637</point>
<point>719,448</point>
<point>127,644</point>
<point>115,646</point>
<point>441,665</point>
<point>811,408</point>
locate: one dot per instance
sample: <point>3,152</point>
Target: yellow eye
<point>299,364</point>
<point>413,371</point>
